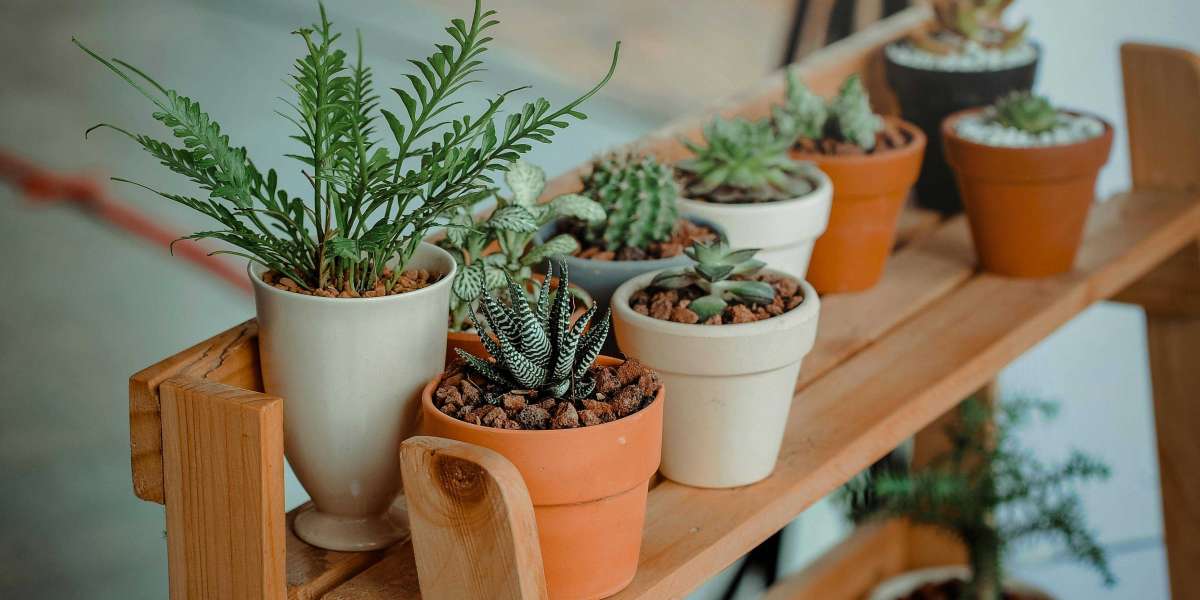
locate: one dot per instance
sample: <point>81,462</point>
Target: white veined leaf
<point>459,227</point>
<point>514,219</point>
<point>526,181</point>
<point>468,283</point>
<point>556,246</point>
<point>493,277</point>
<point>579,207</point>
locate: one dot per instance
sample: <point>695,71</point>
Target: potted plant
<point>969,58</point>
<point>640,232</point>
<point>351,303</point>
<point>584,430</point>
<point>743,180</point>
<point>491,249</point>
<point>872,162</point>
<point>1027,172</point>
<point>990,494</point>
<point>727,337</point>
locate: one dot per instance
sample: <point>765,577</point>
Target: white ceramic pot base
<point>350,534</point>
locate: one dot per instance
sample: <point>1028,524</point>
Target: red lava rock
<point>470,392</point>
<point>512,402</point>
<point>648,383</point>
<point>566,417</point>
<point>533,417</point>
<point>630,370</point>
<point>607,380</point>
<point>448,394</point>
<point>682,314</point>
<point>627,401</point>
<point>589,417</point>
<point>672,305</point>
<point>603,410</point>
<point>741,314</point>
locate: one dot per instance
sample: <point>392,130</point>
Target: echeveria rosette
<point>534,346</point>
<point>1027,112</point>
<point>745,161</point>
<point>715,264</point>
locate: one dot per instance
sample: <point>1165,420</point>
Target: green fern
<point>369,206</point>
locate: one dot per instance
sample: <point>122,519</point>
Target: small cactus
<point>638,195</point>
<point>1026,112</point>
<point>804,112</point>
<point>715,264</point>
<point>851,111</point>
<point>745,161</point>
<point>847,117</point>
<point>962,22</point>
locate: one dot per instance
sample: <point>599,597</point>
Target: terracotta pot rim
<point>823,182</point>
<point>949,132</point>
<point>254,271</point>
<point>607,361</point>
<point>795,317</point>
<point>915,145</point>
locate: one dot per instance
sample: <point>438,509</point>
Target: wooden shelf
<point>887,363</point>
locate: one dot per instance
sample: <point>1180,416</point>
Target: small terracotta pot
<point>1026,206</point>
<point>469,340</point>
<point>869,190</point>
<point>588,487</point>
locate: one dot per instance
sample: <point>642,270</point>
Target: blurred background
<point>85,305</point>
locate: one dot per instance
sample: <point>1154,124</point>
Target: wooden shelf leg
<point>223,459</point>
<point>473,528</point>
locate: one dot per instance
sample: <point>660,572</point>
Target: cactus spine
<point>639,196</point>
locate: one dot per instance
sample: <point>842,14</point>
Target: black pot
<point>926,97</point>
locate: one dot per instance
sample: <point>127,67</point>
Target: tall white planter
<point>350,372</point>
<point>730,386</point>
<point>785,231</point>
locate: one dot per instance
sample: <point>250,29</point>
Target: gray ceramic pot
<point>601,278</point>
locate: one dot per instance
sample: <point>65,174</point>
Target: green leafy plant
<point>537,347</point>
<point>638,194</point>
<point>989,493</point>
<point>369,206</point>
<point>962,22</point>
<point>715,264</point>
<point>745,161</point>
<point>511,228</point>
<point>847,117</point>
<point>1027,112</point>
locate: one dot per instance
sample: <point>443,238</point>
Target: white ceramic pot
<point>350,372</point>
<point>904,584</point>
<point>785,230</point>
<point>731,386</point>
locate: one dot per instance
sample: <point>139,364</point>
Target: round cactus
<point>639,197</point>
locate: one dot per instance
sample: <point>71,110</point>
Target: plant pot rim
<point>254,271</point>
<point>546,434</point>
<point>916,145</point>
<point>818,193</point>
<point>808,309</point>
<point>1037,57</point>
<point>655,263</point>
<point>950,132</point>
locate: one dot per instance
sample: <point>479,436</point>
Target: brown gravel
<point>685,234</point>
<point>672,305</point>
<point>411,280</point>
<point>892,137</point>
<point>620,391</point>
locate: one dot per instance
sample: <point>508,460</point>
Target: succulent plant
<point>852,115</point>
<point>638,195</point>
<point>537,347</point>
<point>970,21</point>
<point>1027,112</point>
<point>745,161</point>
<point>804,113</point>
<point>511,228</point>
<point>715,264</point>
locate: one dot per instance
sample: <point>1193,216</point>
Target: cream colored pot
<point>904,584</point>
<point>731,386</point>
<point>785,231</point>
<point>350,372</point>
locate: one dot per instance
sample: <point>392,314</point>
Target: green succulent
<point>638,195</point>
<point>511,227</point>
<point>977,21</point>
<point>745,161</point>
<point>715,264</point>
<point>851,111</point>
<point>804,113</point>
<point>1027,112</point>
<point>536,347</point>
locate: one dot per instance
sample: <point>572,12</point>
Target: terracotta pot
<point>927,96</point>
<point>588,487</point>
<point>904,584</point>
<point>784,231</point>
<point>731,386</point>
<point>869,191</point>
<point>469,340</point>
<point>1026,206</point>
<point>350,388</point>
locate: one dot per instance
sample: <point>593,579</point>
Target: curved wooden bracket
<point>1161,85</point>
<point>472,522</point>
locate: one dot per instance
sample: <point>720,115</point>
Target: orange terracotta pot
<point>469,340</point>
<point>869,190</point>
<point>588,487</point>
<point>1026,206</point>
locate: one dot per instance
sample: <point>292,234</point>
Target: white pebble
<point>982,128</point>
<point>973,57</point>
